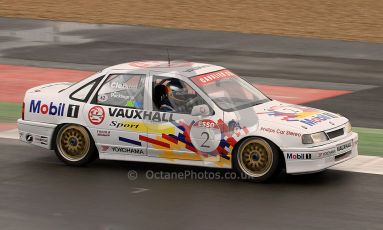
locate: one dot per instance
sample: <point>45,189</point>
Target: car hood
<point>306,119</point>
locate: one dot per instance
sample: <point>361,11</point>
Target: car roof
<point>184,68</point>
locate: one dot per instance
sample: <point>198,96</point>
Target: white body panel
<point>162,137</point>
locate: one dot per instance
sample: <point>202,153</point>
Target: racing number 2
<point>207,138</point>
<point>203,133</point>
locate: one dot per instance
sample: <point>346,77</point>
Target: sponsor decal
<point>327,153</point>
<point>298,156</point>
<point>118,85</point>
<point>290,133</point>
<point>281,132</point>
<point>73,111</point>
<point>104,148</point>
<point>306,115</point>
<point>318,118</point>
<point>194,141</point>
<point>206,123</point>
<point>205,139</point>
<point>120,96</point>
<point>103,133</point>
<point>96,115</point>
<point>342,148</point>
<point>207,78</point>
<point>52,109</point>
<point>41,140</point>
<point>49,109</point>
<point>124,150</point>
<point>141,115</point>
<point>204,135</point>
<point>125,125</point>
<point>134,104</point>
<point>142,127</point>
<point>29,138</point>
<point>129,151</point>
<point>235,128</point>
<point>102,98</point>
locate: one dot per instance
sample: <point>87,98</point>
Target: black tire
<point>74,145</point>
<point>257,159</point>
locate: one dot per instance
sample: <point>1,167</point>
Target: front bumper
<point>36,133</point>
<point>308,160</point>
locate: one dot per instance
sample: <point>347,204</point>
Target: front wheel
<point>74,145</point>
<point>257,159</point>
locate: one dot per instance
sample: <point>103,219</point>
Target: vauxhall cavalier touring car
<point>182,113</point>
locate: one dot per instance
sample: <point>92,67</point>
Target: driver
<point>171,97</point>
<point>161,99</point>
<point>178,95</point>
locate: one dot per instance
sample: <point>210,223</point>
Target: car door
<point>115,115</point>
<point>180,134</point>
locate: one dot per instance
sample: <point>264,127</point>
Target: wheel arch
<point>59,126</point>
<point>280,152</point>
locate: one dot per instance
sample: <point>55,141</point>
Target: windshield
<point>229,91</point>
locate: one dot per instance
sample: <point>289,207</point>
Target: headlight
<point>314,138</point>
<point>348,128</point>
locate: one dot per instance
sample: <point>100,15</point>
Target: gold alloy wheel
<point>255,157</point>
<point>73,142</point>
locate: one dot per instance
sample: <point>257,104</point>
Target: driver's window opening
<point>174,96</point>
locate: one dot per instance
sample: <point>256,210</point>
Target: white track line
<point>361,163</point>
<point>10,134</point>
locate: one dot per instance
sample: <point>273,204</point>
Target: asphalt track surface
<point>38,192</point>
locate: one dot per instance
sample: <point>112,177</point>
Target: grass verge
<point>370,141</point>
<point>9,112</point>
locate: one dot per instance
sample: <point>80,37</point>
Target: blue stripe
<point>223,143</point>
<point>178,126</point>
<point>129,141</point>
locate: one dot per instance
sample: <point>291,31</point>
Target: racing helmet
<point>176,90</point>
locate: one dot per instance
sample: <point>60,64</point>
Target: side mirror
<point>200,110</point>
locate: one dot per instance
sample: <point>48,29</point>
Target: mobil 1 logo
<point>73,111</point>
<point>54,109</point>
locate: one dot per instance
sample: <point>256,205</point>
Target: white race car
<point>182,113</point>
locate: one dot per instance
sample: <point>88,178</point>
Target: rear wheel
<point>74,145</point>
<point>257,159</point>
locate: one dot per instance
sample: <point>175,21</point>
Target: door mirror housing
<point>200,110</point>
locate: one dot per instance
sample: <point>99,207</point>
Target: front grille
<point>335,133</point>
<point>343,155</point>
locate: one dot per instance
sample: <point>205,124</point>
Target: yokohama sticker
<point>96,115</point>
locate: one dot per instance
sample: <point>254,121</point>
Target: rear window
<point>122,90</point>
